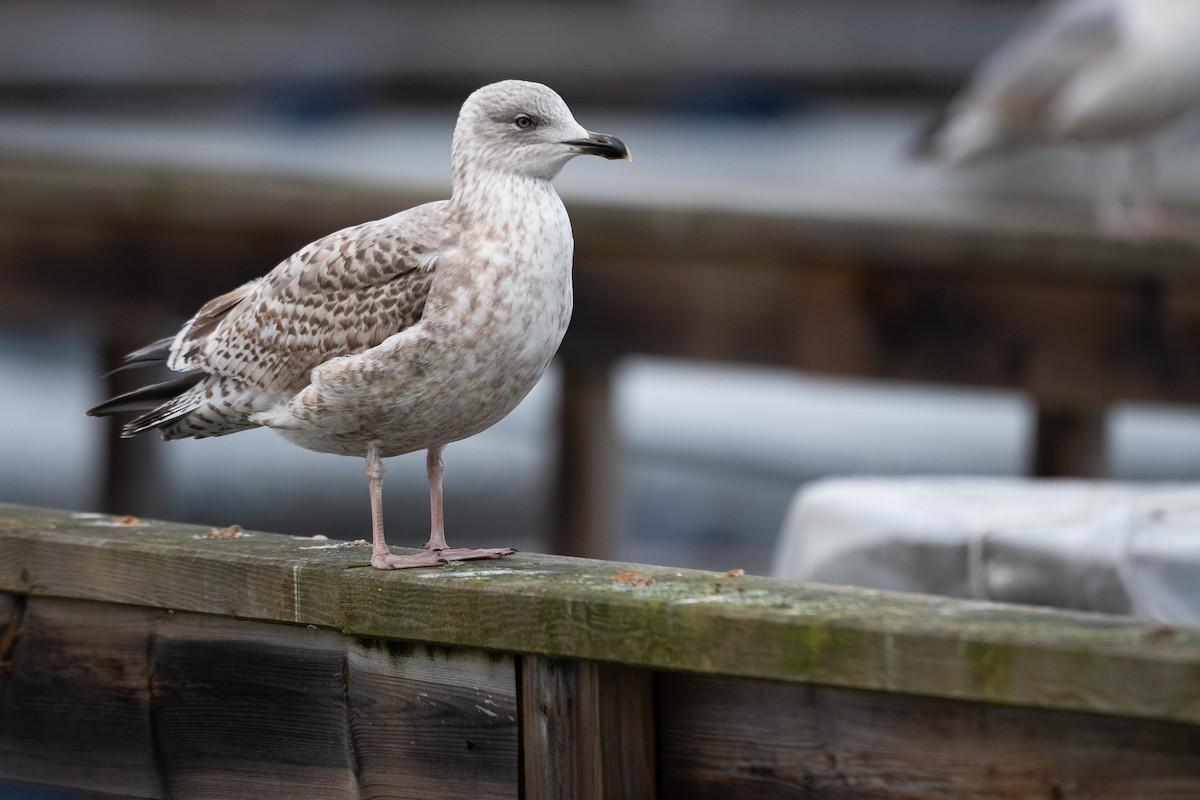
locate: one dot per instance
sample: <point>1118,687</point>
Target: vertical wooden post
<point>584,495</point>
<point>587,730</point>
<point>1070,442</point>
<point>832,329</point>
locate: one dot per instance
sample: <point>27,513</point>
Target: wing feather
<point>1009,101</point>
<point>1026,76</point>
<point>340,295</point>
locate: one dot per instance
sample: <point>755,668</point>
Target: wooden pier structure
<point>155,660</point>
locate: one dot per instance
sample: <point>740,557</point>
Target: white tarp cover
<point>1120,548</point>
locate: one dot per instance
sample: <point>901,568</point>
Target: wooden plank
<point>723,738</point>
<point>430,724</point>
<point>673,619</point>
<point>131,564</point>
<point>1073,340</point>
<point>75,700</point>
<point>142,702</point>
<point>243,709</point>
<point>668,304</point>
<point>150,703</point>
<point>587,729</point>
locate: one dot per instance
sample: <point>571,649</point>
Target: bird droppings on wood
<point>229,532</point>
<point>334,545</point>
<point>106,521</point>
<point>634,578</point>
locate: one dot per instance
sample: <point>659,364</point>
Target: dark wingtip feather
<point>154,353</point>
<point>147,398</point>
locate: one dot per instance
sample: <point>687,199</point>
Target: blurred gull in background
<point>1083,71</point>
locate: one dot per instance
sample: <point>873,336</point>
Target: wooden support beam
<point>1070,442</point>
<point>645,617</point>
<point>432,723</point>
<point>143,702</point>
<point>588,730</point>
<point>583,520</point>
<point>721,739</point>
<point>186,666</point>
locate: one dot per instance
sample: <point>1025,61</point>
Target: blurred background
<point>771,292</point>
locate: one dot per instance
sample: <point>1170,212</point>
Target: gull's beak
<point>600,144</point>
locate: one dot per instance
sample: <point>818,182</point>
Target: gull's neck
<point>481,195</point>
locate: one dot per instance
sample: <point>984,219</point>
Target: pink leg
<point>435,468</point>
<point>1144,217</point>
<point>381,557</point>
<point>436,551</point>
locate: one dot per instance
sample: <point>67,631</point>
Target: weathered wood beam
<point>644,617</point>
<point>146,702</point>
<point>588,730</point>
<point>721,739</point>
<point>145,659</point>
<point>583,485</point>
<point>1070,441</point>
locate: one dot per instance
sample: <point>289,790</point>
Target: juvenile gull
<point>1083,71</point>
<point>401,334</point>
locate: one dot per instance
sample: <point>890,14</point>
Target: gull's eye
<point>523,122</point>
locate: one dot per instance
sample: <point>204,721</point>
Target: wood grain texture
<point>433,724</point>
<point>151,703</point>
<point>725,739</point>
<point>685,620</point>
<point>588,730</point>
<point>75,703</point>
<point>249,710</point>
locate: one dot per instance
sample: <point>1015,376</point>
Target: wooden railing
<point>151,659</point>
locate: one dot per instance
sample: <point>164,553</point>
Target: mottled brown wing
<point>340,295</point>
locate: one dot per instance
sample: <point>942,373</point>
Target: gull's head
<point>525,129</point>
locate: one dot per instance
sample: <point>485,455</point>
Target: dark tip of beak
<point>600,144</point>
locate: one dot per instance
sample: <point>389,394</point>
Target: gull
<point>1087,72</point>
<point>401,334</point>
